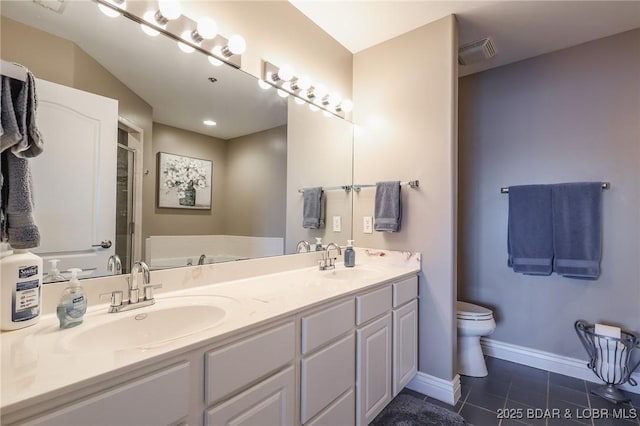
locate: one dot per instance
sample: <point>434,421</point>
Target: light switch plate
<point>337,224</point>
<point>367,225</point>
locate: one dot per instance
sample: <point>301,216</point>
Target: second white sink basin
<point>150,327</point>
<point>342,273</point>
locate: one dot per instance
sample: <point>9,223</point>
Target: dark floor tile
<point>532,384</point>
<point>532,373</point>
<point>527,396</point>
<point>485,400</point>
<point>564,422</point>
<point>527,414</point>
<point>567,382</point>
<point>566,411</point>
<point>441,404</point>
<point>557,392</point>
<point>407,391</point>
<point>597,402</point>
<point>493,386</point>
<point>614,422</point>
<point>512,422</point>
<point>476,416</point>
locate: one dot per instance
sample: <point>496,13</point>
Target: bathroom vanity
<point>298,346</point>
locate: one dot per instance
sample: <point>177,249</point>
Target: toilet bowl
<point>473,322</point>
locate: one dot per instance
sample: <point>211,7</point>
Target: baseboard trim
<point>547,361</point>
<point>437,388</point>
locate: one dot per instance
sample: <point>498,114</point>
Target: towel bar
<point>505,189</point>
<point>345,188</point>
<point>412,183</point>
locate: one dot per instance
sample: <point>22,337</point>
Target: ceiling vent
<point>476,51</point>
<point>54,5</point>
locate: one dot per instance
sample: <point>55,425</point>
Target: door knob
<point>104,244</point>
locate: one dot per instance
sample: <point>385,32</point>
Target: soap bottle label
<point>25,300</point>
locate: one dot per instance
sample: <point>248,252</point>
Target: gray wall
<point>405,116</point>
<point>572,115</point>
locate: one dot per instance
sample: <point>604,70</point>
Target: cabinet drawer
<point>405,291</point>
<point>373,304</point>
<point>234,366</point>
<point>341,412</point>
<point>325,375</point>
<point>160,398</point>
<point>326,325</point>
<point>271,402</point>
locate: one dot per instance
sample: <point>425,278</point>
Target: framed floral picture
<point>184,182</point>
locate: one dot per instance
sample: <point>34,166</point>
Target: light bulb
<point>287,86</point>
<point>186,36</point>
<point>346,105</point>
<point>217,51</point>
<point>170,9</point>
<point>237,45</point>
<point>285,72</point>
<point>319,91</point>
<point>215,61</point>
<point>111,13</point>
<point>303,83</point>
<point>299,101</point>
<point>207,28</point>
<point>185,47</point>
<point>282,93</point>
<point>209,122</point>
<point>263,84</point>
<point>334,99</point>
<point>149,17</point>
<point>326,113</point>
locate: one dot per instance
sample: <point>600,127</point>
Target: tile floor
<point>535,397</point>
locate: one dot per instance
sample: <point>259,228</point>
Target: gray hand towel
<point>388,207</point>
<point>313,208</point>
<point>577,229</point>
<point>530,230</point>
<point>20,140</point>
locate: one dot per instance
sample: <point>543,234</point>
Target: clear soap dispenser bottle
<point>73,303</point>
<point>54,274</point>
<point>349,255</point>
<point>318,244</point>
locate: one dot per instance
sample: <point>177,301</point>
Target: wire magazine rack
<point>610,359</point>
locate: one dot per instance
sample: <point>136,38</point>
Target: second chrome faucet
<point>135,300</point>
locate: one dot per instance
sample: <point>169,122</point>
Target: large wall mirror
<point>161,185</point>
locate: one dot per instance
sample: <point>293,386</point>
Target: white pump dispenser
<point>54,274</point>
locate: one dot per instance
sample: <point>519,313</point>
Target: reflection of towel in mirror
<point>313,208</point>
<point>388,207</point>
<point>19,140</point>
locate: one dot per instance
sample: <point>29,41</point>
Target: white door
<point>74,179</point>
<point>373,381</point>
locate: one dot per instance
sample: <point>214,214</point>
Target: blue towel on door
<point>530,230</point>
<point>577,229</point>
<point>388,207</point>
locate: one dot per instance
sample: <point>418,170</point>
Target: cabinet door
<point>373,370</point>
<point>160,398</point>
<point>405,345</point>
<point>270,402</point>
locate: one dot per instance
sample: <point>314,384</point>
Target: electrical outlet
<point>337,224</point>
<point>367,225</point>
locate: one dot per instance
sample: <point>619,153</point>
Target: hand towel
<point>313,208</point>
<point>388,207</point>
<point>577,229</point>
<point>19,140</point>
<point>530,230</point>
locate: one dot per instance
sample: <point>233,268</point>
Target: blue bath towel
<point>313,208</point>
<point>577,229</point>
<point>530,230</point>
<point>388,207</point>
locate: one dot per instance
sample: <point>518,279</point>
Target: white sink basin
<point>150,327</point>
<point>342,273</point>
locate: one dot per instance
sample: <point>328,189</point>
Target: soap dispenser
<point>73,303</point>
<point>54,274</point>
<point>318,244</point>
<point>349,255</point>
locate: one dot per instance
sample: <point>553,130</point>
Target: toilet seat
<point>469,311</point>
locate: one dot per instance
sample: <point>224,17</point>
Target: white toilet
<point>473,322</point>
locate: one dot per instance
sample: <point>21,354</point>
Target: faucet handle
<point>116,297</point>
<point>148,290</point>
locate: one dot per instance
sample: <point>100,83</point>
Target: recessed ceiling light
<point>209,122</point>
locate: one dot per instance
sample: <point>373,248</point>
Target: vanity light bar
<point>284,79</point>
<point>218,48</point>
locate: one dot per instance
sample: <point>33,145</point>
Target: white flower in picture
<point>184,182</point>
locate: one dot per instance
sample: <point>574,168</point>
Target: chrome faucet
<point>201,259</point>
<point>114,265</point>
<point>303,245</point>
<point>327,261</point>
<point>135,301</point>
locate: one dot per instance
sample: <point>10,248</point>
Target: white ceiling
<point>519,29</point>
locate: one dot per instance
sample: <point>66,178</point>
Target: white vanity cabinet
<point>160,398</point>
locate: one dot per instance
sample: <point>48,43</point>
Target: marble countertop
<point>39,360</point>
